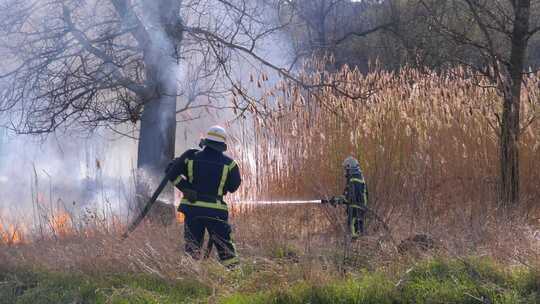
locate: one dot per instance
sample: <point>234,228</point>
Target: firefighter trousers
<point>195,226</point>
<point>356,219</point>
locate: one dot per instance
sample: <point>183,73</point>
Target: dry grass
<point>305,241</point>
<point>280,247</point>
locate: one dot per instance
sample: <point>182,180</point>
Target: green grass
<point>469,281</point>
<point>433,281</point>
<point>370,289</point>
<point>36,287</point>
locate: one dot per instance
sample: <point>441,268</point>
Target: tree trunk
<point>509,175</point>
<point>156,142</point>
<point>158,121</point>
<point>510,129</point>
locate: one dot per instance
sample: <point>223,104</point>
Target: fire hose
<point>136,222</point>
<point>147,207</point>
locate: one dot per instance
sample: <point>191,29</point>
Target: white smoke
<point>80,170</point>
<point>64,170</point>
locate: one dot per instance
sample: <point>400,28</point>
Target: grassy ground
<point>434,280</point>
<point>431,281</point>
<point>289,254</point>
<point>36,287</point>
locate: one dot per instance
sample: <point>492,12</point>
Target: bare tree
<point>331,27</point>
<point>87,64</point>
<point>492,38</point>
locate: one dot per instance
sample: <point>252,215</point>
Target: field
<point>289,254</point>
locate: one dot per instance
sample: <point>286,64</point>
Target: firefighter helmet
<point>217,134</point>
<point>351,166</point>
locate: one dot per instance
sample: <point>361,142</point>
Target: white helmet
<point>217,134</point>
<point>351,166</point>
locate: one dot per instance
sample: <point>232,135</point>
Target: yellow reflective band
<point>178,180</point>
<point>357,180</point>
<point>224,174</point>
<point>217,135</point>
<point>230,261</point>
<point>218,205</point>
<point>190,170</point>
<point>233,245</point>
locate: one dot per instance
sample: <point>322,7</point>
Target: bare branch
<point>107,60</point>
<point>212,37</point>
<point>364,33</point>
<point>125,11</point>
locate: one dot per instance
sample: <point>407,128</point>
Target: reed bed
<point>427,142</point>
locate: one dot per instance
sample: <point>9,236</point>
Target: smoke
<point>73,163</point>
<point>91,170</point>
<point>64,170</point>
<point>67,171</point>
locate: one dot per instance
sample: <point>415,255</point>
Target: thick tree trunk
<point>509,175</point>
<point>158,121</point>
<point>157,135</point>
<point>157,141</point>
<point>510,129</point>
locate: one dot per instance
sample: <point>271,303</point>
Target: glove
<point>172,168</point>
<point>335,200</point>
<point>190,195</point>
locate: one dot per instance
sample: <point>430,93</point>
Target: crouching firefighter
<point>205,176</point>
<point>355,197</point>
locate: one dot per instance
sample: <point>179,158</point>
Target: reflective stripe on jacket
<point>209,173</point>
<point>360,190</point>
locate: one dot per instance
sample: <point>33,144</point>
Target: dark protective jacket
<point>356,191</point>
<point>209,173</point>
<point>357,196</point>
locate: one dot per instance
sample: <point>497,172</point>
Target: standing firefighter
<point>356,194</point>
<point>204,177</point>
<point>355,197</point>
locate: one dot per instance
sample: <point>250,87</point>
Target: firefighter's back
<point>208,172</point>
<point>212,174</point>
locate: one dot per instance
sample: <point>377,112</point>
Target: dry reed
<point>427,143</point>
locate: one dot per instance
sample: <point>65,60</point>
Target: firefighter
<point>356,195</point>
<point>205,176</point>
